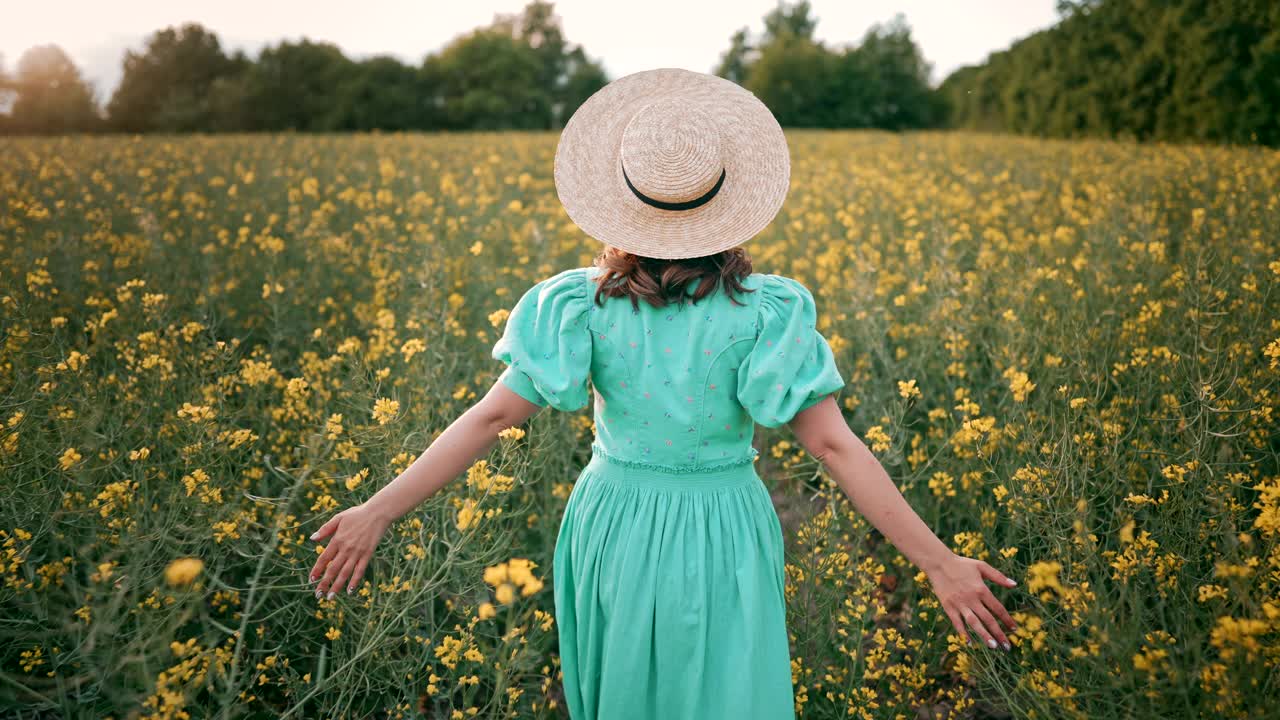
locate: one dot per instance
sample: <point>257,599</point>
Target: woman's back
<point>668,570</point>
<point>677,387</point>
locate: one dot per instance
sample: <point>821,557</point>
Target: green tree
<point>299,86</point>
<point>794,20</point>
<point>562,70</point>
<point>8,94</point>
<point>886,81</point>
<point>735,61</point>
<point>791,72</point>
<point>486,80</point>
<point>583,77</point>
<point>384,94</point>
<point>167,86</point>
<point>882,82</point>
<point>51,95</point>
<point>793,77</point>
<point>519,72</point>
<point>1198,70</point>
<point>228,97</point>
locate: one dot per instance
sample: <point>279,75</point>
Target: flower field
<point>1067,354</point>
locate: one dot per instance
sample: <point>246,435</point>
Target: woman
<point>668,567</point>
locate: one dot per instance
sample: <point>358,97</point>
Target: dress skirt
<point>669,595</point>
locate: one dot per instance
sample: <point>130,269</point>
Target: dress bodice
<point>676,387</point>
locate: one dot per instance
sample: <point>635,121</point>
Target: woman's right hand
<point>959,583</point>
<point>356,532</point>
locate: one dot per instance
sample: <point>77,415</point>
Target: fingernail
<point>1006,646</point>
<point>331,594</point>
<point>1012,582</point>
<point>991,644</point>
<point>318,593</point>
<point>348,591</point>
<point>313,535</point>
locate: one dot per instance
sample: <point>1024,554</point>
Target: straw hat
<point>671,163</point>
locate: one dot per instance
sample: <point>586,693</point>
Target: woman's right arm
<point>957,580</point>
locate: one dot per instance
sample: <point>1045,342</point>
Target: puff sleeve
<point>546,343</point>
<point>791,367</point>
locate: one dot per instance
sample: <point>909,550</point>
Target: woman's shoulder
<point>571,282</point>
<point>778,288</point>
<point>564,292</point>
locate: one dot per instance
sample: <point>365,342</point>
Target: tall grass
<point>1067,355</point>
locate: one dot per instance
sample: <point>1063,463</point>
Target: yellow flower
<point>511,433</point>
<point>505,593</point>
<point>183,571</point>
<point>908,389</point>
<point>486,611</point>
<point>880,440</point>
<point>196,413</point>
<point>466,514</point>
<point>496,574</point>
<point>1019,383</point>
<point>69,458</point>
<point>412,347</point>
<point>333,426</point>
<point>385,409</point>
<point>354,481</point>
<point>519,570</point>
<point>1044,576</point>
<point>497,317</point>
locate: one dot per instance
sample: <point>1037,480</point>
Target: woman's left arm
<point>357,530</point>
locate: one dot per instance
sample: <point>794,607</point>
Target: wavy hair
<point>658,281</point>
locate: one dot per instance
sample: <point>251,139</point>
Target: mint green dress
<point>668,568</point>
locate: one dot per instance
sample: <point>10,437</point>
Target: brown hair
<point>659,281</point>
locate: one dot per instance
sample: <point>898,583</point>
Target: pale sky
<point>625,36</point>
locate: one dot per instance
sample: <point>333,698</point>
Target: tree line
<point>1200,70</point>
<point>520,72</point>
<point>880,82</point>
<point>1176,70</point>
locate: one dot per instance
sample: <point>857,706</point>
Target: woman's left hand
<point>960,584</point>
<point>356,532</point>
